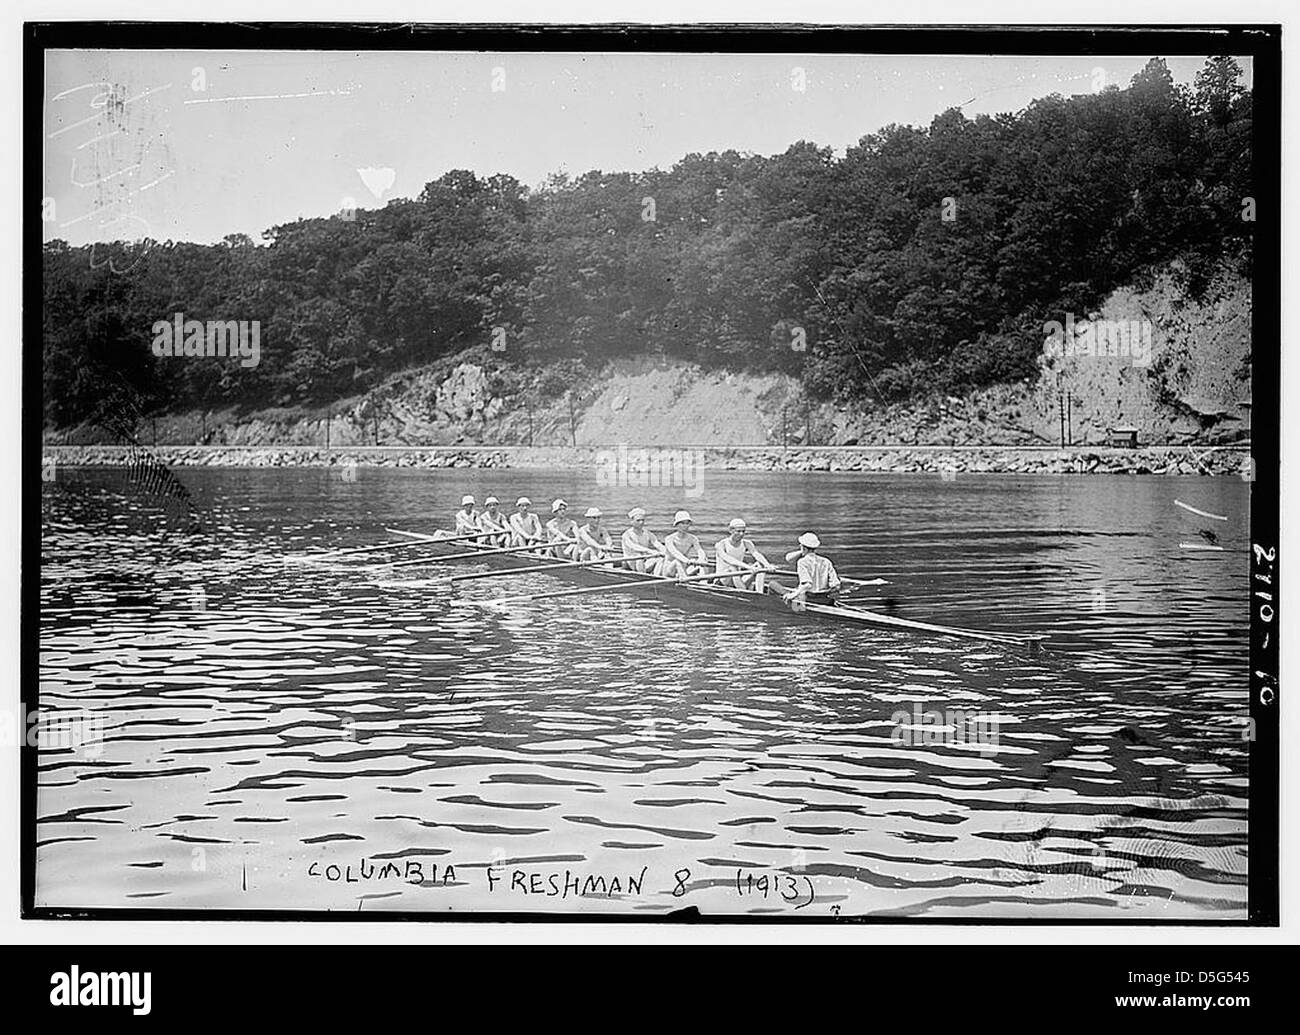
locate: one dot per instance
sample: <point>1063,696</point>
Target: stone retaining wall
<point>1180,460</point>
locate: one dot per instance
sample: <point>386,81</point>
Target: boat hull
<point>714,598</point>
<point>691,595</point>
<point>694,596</point>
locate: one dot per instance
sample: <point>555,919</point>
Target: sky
<point>195,145</point>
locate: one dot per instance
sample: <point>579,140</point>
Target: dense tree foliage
<point>923,258</point>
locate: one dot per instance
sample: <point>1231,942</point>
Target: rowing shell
<point>714,597</point>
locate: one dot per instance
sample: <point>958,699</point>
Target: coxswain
<point>683,554</point>
<point>492,523</point>
<point>818,583</point>
<point>641,546</point>
<point>467,517</point>
<point>738,554</point>
<point>593,538</point>
<point>561,530</point>
<point>525,526</point>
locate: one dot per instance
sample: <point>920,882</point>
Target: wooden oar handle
<point>647,551</point>
<point>741,566</point>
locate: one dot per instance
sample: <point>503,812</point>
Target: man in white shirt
<point>683,554</point>
<point>641,545</point>
<point>738,554</point>
<point>467,517</point>
<point>561,531</point>
<point>492,523</point>
<point>593,537</point>
<point>525,526</point>
<point>818,582</point>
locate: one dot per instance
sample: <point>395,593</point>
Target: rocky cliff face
<point>1184,383</point>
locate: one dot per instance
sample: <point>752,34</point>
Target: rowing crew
<point>680,555</point>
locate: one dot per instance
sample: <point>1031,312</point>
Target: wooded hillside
<point>923,259</point>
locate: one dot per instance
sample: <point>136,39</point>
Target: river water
<point>266,734</point>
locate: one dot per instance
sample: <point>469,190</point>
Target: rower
<point>493,523</point>
<point>736,553</point>
<point>467,517</point>
<point>682,550</point>
<point>593,538</point>
<point>818,583</point>
<point>641,544</point>
<point>525,526</point>
<point>560,531</point>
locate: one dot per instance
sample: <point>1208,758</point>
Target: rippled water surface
<point>344,737</point>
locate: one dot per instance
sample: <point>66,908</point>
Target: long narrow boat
<point>712,598</point>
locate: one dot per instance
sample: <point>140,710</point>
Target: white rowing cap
<point>809,540</point>
<point>555,507</point>
<point>680,516</point>
<point>490,500</point>
<point>636,512</point>
<point>737,524</point>
<point>592,512</point>
<point>523,501</point>
<point>467,501</point>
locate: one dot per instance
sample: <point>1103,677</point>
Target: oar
<point>453,538</point>
<point>425,537</point>
<point>423,540</point>
<point>649,580</point>
<point>906,623</point>
<point>945,630</point>
<point>531,568</point>
<point>746,568</point>
<point>471,553</point>
<point>843,580</point>
<point>741,568</point>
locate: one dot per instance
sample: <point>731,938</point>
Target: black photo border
<point>1262,43</point>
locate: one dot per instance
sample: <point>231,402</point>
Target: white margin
<point>886,12</point>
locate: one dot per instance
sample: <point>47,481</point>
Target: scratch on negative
<point>1202,513</point>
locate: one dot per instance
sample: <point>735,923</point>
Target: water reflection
<point>268,725</point>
